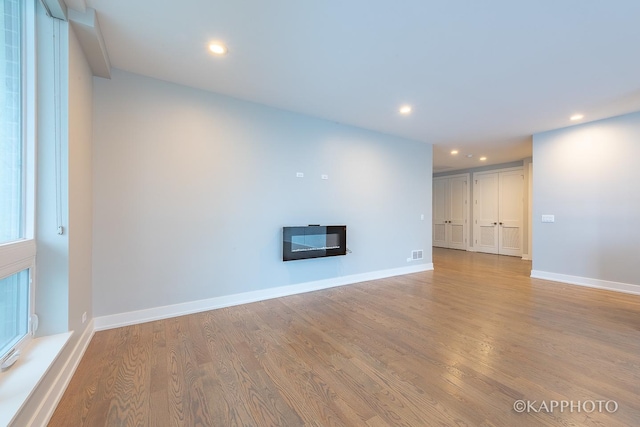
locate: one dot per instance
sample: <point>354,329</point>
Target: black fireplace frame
<point>292,254</point>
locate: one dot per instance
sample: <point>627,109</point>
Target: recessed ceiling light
<point>454,152</point>
<point>469,156</point>
<point>405,109</point>
<point>217,48</point>
<point>483,158</point>
<point>576,117</point>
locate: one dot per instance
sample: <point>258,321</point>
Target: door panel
<point>440,235</point>
<point>498,198</point>
<point>510,240</point>
<point>440,202</point>
<point>457,236</point>
<point>450,208</point>
<point>511,211</point>
<point>487,239</point>
<point>457,208</point>
<point>485,194</point>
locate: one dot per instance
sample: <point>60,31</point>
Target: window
<point>11,147</point>
<point>17,247</point>
<point>14,309</point>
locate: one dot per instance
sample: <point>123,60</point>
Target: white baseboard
<point>588,282</point>
<point>48,405</point>
<point>526,257</point>
<point>174,310</point>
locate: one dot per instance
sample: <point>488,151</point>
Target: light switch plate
<point>548,218</point>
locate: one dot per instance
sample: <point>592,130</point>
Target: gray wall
<point>587,176</point>
<point>192,189</point>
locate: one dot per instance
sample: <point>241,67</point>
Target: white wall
<point>192,190</point>
<point>80,185</point>
<point>587,177</point>
<point>52,258</point>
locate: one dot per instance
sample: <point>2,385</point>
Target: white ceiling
<point>482,76</point>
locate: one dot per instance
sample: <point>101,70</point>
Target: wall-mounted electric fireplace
<point>313,241</point>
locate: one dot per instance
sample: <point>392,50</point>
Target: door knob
<point>495,223</point>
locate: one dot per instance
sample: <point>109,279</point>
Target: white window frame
<point>21,254</point>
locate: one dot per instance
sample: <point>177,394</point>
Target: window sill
<point>19,381</point>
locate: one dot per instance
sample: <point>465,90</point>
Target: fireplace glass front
<point>313,241</point>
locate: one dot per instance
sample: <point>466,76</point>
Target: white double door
<point>498,212</point>
<point>450,208</point>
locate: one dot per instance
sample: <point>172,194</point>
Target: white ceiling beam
<point>79,5</point>
<point>56,8</point>
<point>85,25</point>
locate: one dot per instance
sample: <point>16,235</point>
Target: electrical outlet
<point>548,218</point>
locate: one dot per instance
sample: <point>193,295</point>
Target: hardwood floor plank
<point>244,380</point>
<point>129,404</point>
<point>457,346</point>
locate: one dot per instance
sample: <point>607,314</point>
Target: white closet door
<point>511,211</point>
<point>457,207</point>
<point>485,195</point>
<point>440,201</point>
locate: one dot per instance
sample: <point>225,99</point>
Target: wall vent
<point>416,255</point>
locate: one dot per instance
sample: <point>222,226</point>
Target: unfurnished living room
<point>319,213</point>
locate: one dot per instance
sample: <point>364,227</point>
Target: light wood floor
<point>453,347</point>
